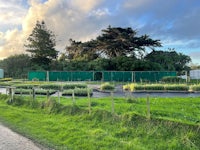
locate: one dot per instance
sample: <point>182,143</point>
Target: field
<point>106,123</point>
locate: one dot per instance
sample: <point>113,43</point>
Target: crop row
<point>69,92</point>
<point>161,87</point>
<point>51,86</point>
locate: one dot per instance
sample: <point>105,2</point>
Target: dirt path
<point>10,140</point>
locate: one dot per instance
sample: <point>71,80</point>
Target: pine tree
<point>41,45</point>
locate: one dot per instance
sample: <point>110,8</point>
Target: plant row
<point>161,87</point>
<point>69,92</point>
<point>51,86</point>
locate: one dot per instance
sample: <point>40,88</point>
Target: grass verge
<point>66,126</point>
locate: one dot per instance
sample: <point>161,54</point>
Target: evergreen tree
<point>41,43</point>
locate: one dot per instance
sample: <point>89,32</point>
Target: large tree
<point>41,44</point>
<point>170,60</point>
<point>117,41</point>
<point>113,42</point>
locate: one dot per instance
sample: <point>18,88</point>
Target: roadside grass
<point>174,122</point>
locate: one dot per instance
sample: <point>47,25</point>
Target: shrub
<point>154,87</point>
<point>37,91</point>
<point>107,86</point>
<point>129,87</point>
<point>149,87</point>
<point>51,86</point>
<point>175,87</point>
<point>139,87</point>
<point>77,92</point>
<point>73,86</point>
<point>5,79</point>
<point>171,79</point>
<point>25,86</point>
<point>195,87</point>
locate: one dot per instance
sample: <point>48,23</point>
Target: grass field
<point>174,122</point>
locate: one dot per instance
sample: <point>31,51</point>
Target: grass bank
<point>174,122</point>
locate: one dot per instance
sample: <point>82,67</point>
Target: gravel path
<point>10,140</point>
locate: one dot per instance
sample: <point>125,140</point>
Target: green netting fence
<point>121,76</point>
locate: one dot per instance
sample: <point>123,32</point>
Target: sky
<point>175,22</point>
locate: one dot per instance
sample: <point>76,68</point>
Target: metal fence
<point>124,76</point>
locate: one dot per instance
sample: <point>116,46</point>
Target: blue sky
<point>175,22</point>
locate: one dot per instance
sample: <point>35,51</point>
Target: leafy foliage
<point>169,60</point>
<point>16,65</point>
<point>114,42</point>
<point>107,87</point>
<point>41,43</point>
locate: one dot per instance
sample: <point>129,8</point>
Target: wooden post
<point>47,94</point>
<point>112,103</point>
<point>148,107</point>
<point>73,98</point>
<point>89,100</point>
<point>11,93</point>
<point>58,96</point>
<point>21,92</point>
<point>33,92</point>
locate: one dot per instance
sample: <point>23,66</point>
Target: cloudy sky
<point>175,22</point>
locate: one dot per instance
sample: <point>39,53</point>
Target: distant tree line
<point>116,48</point>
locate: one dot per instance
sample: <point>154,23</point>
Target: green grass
<point>174,123</point>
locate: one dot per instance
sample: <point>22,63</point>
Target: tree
<point>113,42</point>
<point>169,60</point>
<point>41,43</point>
<point>16,66</point>
<point>81,51</point>
<point>119,41</point>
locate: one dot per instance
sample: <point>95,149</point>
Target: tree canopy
<point>113,42</point>
<point>41,44</point>
<point>169,60</point>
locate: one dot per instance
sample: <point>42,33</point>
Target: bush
<point>73,86</point>
<point>107,86</point>
<point>5,79</point>
<point>37,91</point>
<point>139,87</point>
<point>171,79</point>
<point>149,87</point>
<point>25,86</point>
<point>195,87</point>
<point>129,87</point>
<point>175,87</point>
<point>51,86</point>
<point>77,92</point>
<point>154,87</point>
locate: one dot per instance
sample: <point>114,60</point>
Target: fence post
<point>58,96</point>
<point>148,107</point>
<point>112,103</point>
<point>21,92</point>
<point>47,94</point>
<point>73,98</point>
<point>89,99</point>
<point>11,93</point>
<point>33,92</point>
